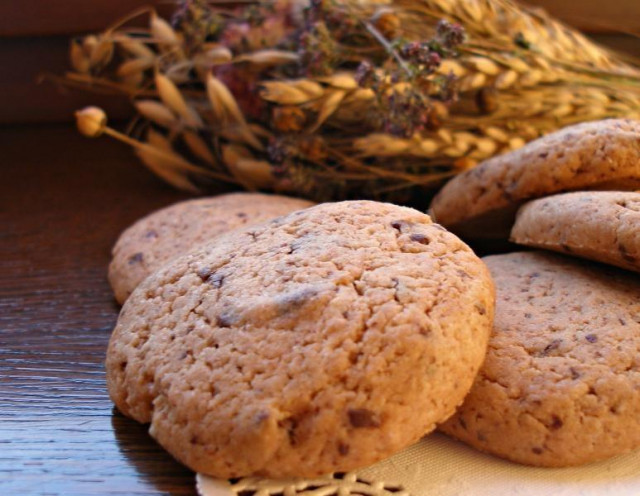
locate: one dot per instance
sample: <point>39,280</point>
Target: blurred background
<point>34,40</point>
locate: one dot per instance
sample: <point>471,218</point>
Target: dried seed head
<point>134,66</point>
<point>269,57</point>
<point>89,44</point>
<point>484,65</point>
<point>136,48</point>
<point>172,98</point>
<point>165,166</point>
<point>225,108</point>
<point>213,56</point>
<point>134,80</point>
<point>198,147</point>
<point>79,60</point>
<point>328,107</point>
<point>91,121</point>
<point>102,52</point>
<point>156,112</point>
<point>379,144</point>
<point>342,80</point>
<point>283,93</point>
<point>158,140</point>
<point>162,31</point>
<point>386,22</point>
<point>253,174</point>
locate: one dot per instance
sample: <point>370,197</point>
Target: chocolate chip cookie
<point>600,225</point>
<point>561,382</point>
<point>174,230</point>
<point>481,202</point>
<point>321,341</point>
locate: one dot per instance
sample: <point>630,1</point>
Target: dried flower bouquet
<point>336,99</point>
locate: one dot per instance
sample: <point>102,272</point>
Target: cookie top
<point>600,225</point>
<point>322,341</point>
<point>157,238</point>
<point>561,382</point>
<point>481,202</point>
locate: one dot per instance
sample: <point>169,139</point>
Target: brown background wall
<point>34,37</point>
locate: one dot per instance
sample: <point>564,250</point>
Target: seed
<point>91,121</point>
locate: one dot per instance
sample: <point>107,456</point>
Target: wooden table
<point>63,201</point>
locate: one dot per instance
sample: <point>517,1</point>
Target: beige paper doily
<point>439,466</point>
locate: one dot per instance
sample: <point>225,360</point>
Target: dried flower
<point>450,34</point>
<point>91,121</point>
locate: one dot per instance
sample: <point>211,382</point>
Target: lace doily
<point>331,485</point>
<point>439,466</point>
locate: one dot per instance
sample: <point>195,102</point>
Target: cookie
<point>561,382</point>
<point>157,238</point>
<point>481,202</point>
<point>600,225</point>
<point>321,341</point>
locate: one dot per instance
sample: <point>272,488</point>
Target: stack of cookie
<point>561,382</point>
<point>321,341</point>
<point>332,336</point>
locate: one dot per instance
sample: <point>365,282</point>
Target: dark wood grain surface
<point>63,201</point>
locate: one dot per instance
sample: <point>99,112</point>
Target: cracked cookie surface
<point>321,341</point>
<point>560,384</point>
<point>600,225</point>
<point>172,231</point>
<point>592,155</point>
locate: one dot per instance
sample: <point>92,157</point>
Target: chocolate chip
<point>420,238</point>
<point>343,448</point>
<point>397,224</point>
<point>537,450</point>
<point>556,423</point>
<point>261,417</point>
<point>151,234</point>
<point>482,310</point>
<point>553,345</point>
<point>211,277</point>
<point>592,338</point>
<point>566,248</point>
<point>135,258</point>
<point>361,417</point>
<point>224,320</point>
<point>574,373</point>
<point>216,280</point>
<point>462,423</point>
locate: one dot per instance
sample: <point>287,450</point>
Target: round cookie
<point>321,341</point>
<point>560,384</point>
<point>157,238</point>
<point>481,202</point>
<point>600,225</point>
